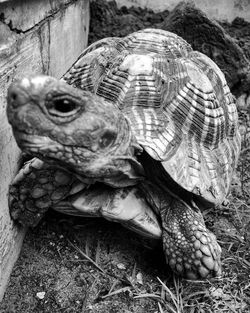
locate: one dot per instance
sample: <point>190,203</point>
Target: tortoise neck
<point>158,176</point>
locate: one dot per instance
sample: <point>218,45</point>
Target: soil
<point>239,29</point>
<point>109,20</point>
<point>54,274</point>
<point>49,263</point>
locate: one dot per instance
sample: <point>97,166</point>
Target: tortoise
<point>141,130</point>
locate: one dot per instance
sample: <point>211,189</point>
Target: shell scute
<point>177,101</point>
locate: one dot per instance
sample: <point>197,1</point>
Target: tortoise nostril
<point>17,96</point>
<point>13,97</point>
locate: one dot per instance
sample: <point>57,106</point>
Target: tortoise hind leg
<point>36,188</point>
<point>191,249</point>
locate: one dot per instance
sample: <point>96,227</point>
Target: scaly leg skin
<point>36,188</point>
<point>191,249</point>
<point>124,205</point>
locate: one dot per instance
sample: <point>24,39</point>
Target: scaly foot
<point>36,188</point>
<point>191,249</point>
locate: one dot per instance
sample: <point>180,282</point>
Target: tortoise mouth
<point>46,148</point>
<point>37,144</point>
<point>33,142</point>
<point>43,145</point>
<point>51,151</point>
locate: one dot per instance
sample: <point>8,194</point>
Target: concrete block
<point>35,37</point>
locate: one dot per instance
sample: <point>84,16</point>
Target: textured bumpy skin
<point>145,110</point>
<point>191,249</point>
<point>38,187</point>
<point>177,102</point>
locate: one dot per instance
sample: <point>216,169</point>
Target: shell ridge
<point>176,100</point>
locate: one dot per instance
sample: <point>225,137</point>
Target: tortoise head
<point>73,128</point>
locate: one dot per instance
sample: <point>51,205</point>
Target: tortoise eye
<point>107,139</point>
<point>62,107</point>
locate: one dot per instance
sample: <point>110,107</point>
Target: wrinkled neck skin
<point>118,166</point>
<point>74,129</point>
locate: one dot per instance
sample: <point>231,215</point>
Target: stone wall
<point>217,9</point>
<point>35,37</point>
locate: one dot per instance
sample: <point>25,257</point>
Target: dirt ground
<point>70,264</point>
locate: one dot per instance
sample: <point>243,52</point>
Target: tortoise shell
<point>177,101</point>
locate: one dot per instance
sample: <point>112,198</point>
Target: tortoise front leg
<point>191,249</point>
<point>36,188</point>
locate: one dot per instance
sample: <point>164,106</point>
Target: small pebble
<point>121,266</point>
<point>40,295</point>
<point>139,278</point>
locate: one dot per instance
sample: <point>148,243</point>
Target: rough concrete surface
<point>33,34</point>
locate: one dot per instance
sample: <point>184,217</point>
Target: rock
<point>139,278</point>
<point>210,38</point>
<point>40,295</point>
<point>121,266</point>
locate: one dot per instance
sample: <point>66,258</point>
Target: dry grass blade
<point>113,286</point>
<point>133,276</point>
<point>87,244</point>
<point>97,255</point>
<point>172,296</point>
<point>171,309</point>
<point>244,261</point>
<point>179,291</point>
<point>195,294</point>
<point>148,295</point>
<point>160,308</point>
<point>86,257</point>
<point>116,292</point>
<point>159,299</point>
